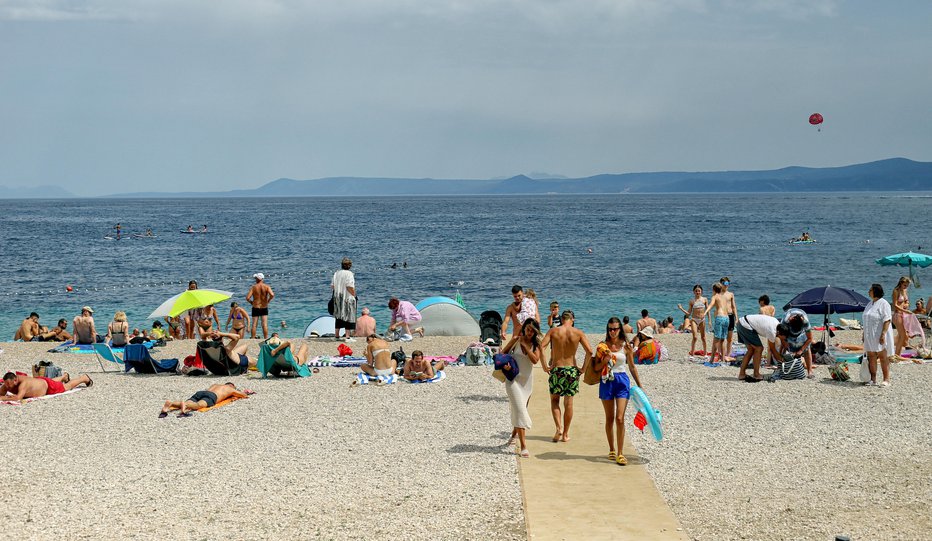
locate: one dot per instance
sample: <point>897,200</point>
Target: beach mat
<point>336,361</point>
<point>439,376</point>
<point>363,379</point>
<point>15,403</point>
<point>70,347</point>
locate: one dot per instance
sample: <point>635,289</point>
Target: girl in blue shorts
<point>612,362</point>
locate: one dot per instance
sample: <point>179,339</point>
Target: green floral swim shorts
<point>564,381</point>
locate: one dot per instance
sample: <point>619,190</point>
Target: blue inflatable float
<point>643,405</point>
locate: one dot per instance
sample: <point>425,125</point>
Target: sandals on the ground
<point>621,460</point>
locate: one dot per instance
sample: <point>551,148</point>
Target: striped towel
<point>15,403</point>
<point>363,379</point>
<point>437,377</point>
<point>337,362</point>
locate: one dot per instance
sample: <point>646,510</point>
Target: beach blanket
<point>340,362</point>
<point>363,379</point>
<point>447,359</point>
<point>71,347</point>
<point>440,375</point>
<point>15,403</point>
<point>220,404</point>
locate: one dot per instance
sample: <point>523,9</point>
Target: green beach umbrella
<point>907,259</point>
<point>190,299</point>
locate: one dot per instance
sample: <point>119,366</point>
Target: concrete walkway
<point>572,490</point>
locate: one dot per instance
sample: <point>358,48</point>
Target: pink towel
<point>912,326</point>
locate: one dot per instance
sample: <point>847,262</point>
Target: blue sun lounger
<point>138,358</point>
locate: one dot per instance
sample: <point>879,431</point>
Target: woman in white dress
<point>525,348</point>
<point>878,336</point>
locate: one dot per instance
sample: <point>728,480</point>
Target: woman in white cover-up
<point>878,336</point>
<point>525,348</point>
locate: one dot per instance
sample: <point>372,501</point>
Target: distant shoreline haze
<point>894,174</point>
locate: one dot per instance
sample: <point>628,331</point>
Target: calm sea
<point>647,250</point>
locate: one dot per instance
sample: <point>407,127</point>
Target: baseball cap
<point>259,276</point>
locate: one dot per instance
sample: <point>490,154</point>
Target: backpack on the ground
<point>400,358</point>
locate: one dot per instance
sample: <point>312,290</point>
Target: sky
<point>111,96</point>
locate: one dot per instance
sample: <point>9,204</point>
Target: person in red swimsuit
<point>21,387</point>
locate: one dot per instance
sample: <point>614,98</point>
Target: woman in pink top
<point>404,314</point>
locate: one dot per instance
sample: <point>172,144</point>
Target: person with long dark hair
<point>525,348</point>
<point>878,336</point>
<point>612,358</point>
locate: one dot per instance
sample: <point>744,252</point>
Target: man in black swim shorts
<point>203,399</point>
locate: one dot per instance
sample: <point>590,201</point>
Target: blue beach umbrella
<point>828,300</point>
<point>907,259</point>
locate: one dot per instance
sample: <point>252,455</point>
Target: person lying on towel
<point>19,386</point>
<point>203,399</point>
<point>301,356</point>
<point>419,369</point>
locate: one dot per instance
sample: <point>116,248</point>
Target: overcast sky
<point>108,96</point>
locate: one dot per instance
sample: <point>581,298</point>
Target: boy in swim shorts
<point>720,304</point>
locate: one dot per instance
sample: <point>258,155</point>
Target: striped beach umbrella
<point>188,300</point>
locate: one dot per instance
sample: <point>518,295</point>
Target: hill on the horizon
<point>894,174</point>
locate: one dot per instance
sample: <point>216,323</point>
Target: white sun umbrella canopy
<point>188,300</point>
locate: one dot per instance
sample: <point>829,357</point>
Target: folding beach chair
<point>137,357</point>
<point>103,350</point>
<point>215,359</point>
<point>283,362</point>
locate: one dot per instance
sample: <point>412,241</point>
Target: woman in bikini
<point>697,306</point>
<point>613,358</point>
<point>240,319</point>
<point>118,330</point>
<point>901,307</point>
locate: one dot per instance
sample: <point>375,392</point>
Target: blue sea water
<point>647,250</point>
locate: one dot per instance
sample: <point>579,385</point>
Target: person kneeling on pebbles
<point>22,387</point>
<point>204,399</point>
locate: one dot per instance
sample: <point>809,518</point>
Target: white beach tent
<point>442,316</point>
<point>321,326</point>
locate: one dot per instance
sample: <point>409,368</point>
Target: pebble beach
<point>314,458</point>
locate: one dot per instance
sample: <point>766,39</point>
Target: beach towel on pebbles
<point>363,379</point>
<point>338,362</point>
<point>15,403</point>
<point>440,375</point>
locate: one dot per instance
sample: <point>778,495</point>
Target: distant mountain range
<point>34,192</point>
<point>895,174</point>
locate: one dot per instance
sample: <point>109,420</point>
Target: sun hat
<point>87,308</point>
<point>647,331</point>
<point>259,276</point>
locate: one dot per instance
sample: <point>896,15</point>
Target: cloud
<point>790,9</point>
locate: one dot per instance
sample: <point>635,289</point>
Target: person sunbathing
<point>849,347</point>
<point>301,356</point>
<point>379,360</point>
<point>22,387</point>
<point>418,369</point>
<point>203,399</point>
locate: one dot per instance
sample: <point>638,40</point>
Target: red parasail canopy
<point>815,119</point>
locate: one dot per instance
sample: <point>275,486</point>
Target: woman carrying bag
<point>525,348</point>
<point>611,360</point>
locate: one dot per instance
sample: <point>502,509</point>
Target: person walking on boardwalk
<point>564,374</point>
<point>612,360</point>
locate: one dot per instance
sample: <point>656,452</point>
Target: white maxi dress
<point>519,389</point>
<point>872,320</point>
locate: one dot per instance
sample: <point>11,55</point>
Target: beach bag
<point>344,350</point>
<point>330,306</point>
<point>192,366</point>
<point>400,358</point>
<point>478,354</point>
<point>865,373</point>
<point>792,369</point>
<point>45,369</point>
<point>839,371</point>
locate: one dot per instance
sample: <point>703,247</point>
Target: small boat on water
<point>801,241</point>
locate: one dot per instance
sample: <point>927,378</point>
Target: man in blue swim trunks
<point>720,304</point>
<point>203,399</point>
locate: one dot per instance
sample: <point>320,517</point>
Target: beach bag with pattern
<point>792,369</point>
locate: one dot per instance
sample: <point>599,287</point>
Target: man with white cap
<point>259,296</point>
<point>83,327</point>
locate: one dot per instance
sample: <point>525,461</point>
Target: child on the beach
<point>720,304</point>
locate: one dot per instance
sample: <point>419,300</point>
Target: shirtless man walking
<point>259,296</point>
<point>732,314</point>
<point>518,311</point>
<point>203,399</point>
<point>22,387</point>
<point>720,304</point>
<point>28,329</point>
<point>83,327</point>
<point>564,374</point>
